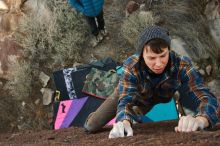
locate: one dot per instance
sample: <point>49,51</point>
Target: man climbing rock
<point>150,77</point>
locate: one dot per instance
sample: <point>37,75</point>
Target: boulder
<point>131,7</point>
<point>212,9</point>
<point>208,69</point>
<point>178,45</point>
<point>44,79</point>
<point>202,72</point>
<point>212,12</point>
<point>10,52</point>
<point>1,85</point>
<point>39,9</point>
<point>47,95</point>
<point>214,87</point>
<point>3,7</point>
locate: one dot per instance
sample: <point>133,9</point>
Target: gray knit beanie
<point>150,33</point>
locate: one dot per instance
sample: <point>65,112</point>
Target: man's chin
<point>158,71</point>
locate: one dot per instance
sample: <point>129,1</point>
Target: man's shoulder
<point>131,61</point>
<point>180,59</point>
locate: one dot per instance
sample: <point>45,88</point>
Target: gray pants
<point>103,114</point>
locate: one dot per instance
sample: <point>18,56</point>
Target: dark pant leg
<point>92,24</point>
<point>103,114</point>
<point>101,21</point>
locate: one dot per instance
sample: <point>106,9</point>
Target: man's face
<point>156,62</point>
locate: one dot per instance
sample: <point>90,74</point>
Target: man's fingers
<point>117,131</point>
<point>195,126</point>
<point>180,123</point>
<point>185,123</point>
<point>120,129</point>
<point>111,134</point>
<point>176,129</point>
<point>128,130</point>
<point>114,132</point>
<point>191,123</point>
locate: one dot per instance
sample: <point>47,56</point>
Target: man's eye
<point>163,55</point>
<point>151,58</point>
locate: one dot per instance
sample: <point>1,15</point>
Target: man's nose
<point>158,62</point>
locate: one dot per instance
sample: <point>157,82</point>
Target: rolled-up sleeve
<point>127,88</point>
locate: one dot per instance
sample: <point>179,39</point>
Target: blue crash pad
<point>162,112</point>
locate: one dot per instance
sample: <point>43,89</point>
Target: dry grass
<point>184,19</point>
<point>57,41</point>
<point>20,82</point>
<point>135,24</point>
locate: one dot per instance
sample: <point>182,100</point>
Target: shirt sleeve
<point>127,88</point>
<point>196,90</point>
<point>78,6</point>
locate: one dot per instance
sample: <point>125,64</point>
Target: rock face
<point>10,52</point>
<point>10,16</point>
<point>147,134</point>
<point>212,9</point>
<point>44,79</point>
<point>47,95</point>
<point>212,12</point>
<point>131,7</point>
<point>9,19</point>
<point>214,86</point>
<point>3,7</point>
<point>178,45</point>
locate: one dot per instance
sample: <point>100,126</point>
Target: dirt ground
<point>160,133</point>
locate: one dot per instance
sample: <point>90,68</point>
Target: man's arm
<point>208,106</point>
<point>77,5</point>
<point>127,88</point>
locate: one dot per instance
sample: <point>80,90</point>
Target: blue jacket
<point>89,8</point>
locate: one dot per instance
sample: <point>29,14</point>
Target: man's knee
<point>90,126</point>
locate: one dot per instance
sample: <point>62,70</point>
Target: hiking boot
<point>104,32</point>
<point>94,41</point>
<point>100,37</point>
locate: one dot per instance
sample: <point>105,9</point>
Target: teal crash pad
<point>162,112</point>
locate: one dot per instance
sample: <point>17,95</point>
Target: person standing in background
<point>93,12</point>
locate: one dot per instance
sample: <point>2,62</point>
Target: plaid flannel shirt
<point>139,91</point>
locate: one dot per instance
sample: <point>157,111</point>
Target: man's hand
<point>120,128</point>
<point>189,123</point>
